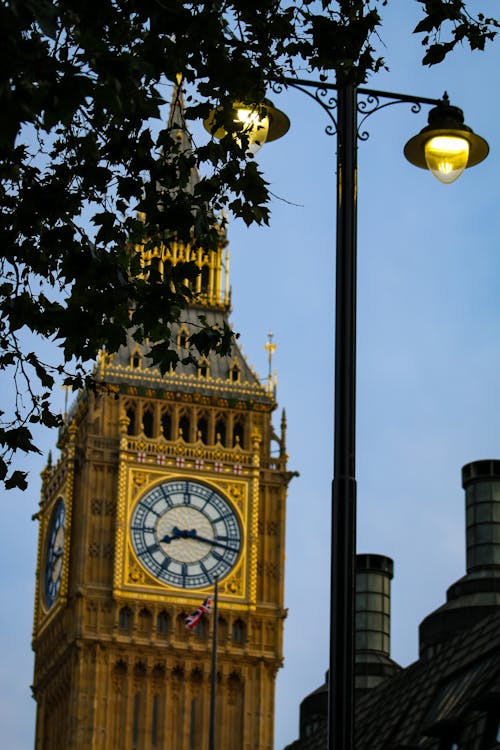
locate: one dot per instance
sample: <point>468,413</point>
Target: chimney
<point>477,594</point>
<point>481,482</point>
<point>373,638</point>
<point>373,621</point>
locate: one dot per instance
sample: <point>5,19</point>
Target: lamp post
<point>446,146</point>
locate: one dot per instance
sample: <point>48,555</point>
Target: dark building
<point>450,698</point>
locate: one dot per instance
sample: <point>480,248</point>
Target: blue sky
<point>428,363</point>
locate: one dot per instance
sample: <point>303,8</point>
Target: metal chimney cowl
<point>477,594</point>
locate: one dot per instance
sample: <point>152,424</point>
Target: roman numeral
<point>144,529</point>
<point>222,517</point>
<point>232,542</point>
<point>166,496</point>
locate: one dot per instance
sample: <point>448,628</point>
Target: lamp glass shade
<point>260,123</point>
<point>255,126</point>
<point>447,156</point>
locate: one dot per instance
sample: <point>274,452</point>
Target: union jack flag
<point>192,621</point>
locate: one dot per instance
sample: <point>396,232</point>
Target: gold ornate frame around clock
<point>132,580</point>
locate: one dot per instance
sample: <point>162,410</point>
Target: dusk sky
<point>428,362</point>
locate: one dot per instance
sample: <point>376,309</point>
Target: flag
<point>192,621</point>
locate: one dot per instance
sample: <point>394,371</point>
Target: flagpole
<point>213,676</point>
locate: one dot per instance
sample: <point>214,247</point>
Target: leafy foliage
<point>464,28</point>
<point>90,168</point>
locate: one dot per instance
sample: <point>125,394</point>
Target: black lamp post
<point>445,146</point>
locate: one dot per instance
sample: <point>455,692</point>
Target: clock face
<point>185,533</point>
<point>54,555</point>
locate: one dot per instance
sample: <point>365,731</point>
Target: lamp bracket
<point>321,95</point>
<point>371,102</point>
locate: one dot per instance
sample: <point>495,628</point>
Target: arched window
<point>166,425</point>
<point>220,431</point>
<point>203,369</point>
<point>234,374</point>
<point>148,423</point>
<point>234,684</point>
<point>201,630</point>
<point>163,623</point>
<point>131,421</point>
<point>145,621</point>
<point>202,430</point>
<point>196,676</point>
<point>239,632</point>
<point>125,619</point>
<point>222,630</point>
<point>119,674</point>
<point>238,433</point>
<point>180,624</point>
<point>136,360</point>
<point>185,427</point>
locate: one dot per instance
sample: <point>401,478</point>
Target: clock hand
<point>210,541</point>
<point>56,554</point>
<point>192,534</point>
<point>178,534</point>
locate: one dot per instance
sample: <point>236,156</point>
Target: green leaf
<point>18,479</point>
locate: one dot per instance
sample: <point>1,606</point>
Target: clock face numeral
<point>54,554</point>
<point>185,533</point>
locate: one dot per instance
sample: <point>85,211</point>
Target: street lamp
<point>445,146</point>
<point>260,123</point>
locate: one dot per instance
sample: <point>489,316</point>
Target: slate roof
<point>446,697</point>
<point>186,377</point>
<point>451,700</point>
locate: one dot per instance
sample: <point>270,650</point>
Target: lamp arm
<point>365,108</point>
<point>320,95</point>
<point>411,98</point>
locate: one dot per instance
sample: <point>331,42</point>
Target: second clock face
<point>54,554</point>
<point>185,533</point>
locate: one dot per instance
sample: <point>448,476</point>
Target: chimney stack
<point>481,482</point>
<point>373,638</point>
<point>373,621</point>
<point>477,594</point>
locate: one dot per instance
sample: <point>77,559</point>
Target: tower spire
<point>212,284</point>
<point>178,126</point>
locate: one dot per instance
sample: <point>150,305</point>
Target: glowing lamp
<point>260,123</point>
<point>446,146</point>
<point>446,156</point>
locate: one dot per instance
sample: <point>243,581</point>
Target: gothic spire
<point>177,124</point>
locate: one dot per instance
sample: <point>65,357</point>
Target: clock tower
<point>163,483</point>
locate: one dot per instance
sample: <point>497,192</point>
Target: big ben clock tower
<point>163,483</point>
